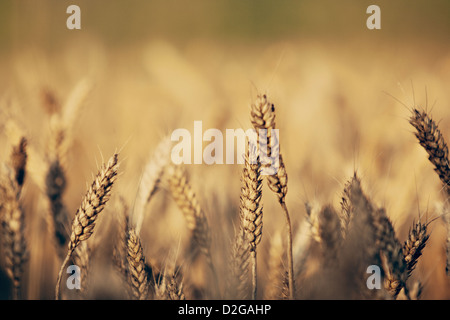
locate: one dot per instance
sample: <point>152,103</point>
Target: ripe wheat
<point>92,204</point>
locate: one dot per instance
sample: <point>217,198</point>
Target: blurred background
<point>155,66</point>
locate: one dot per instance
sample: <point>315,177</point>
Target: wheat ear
<point>186,200</point>
<point>239,266</point>
<point>432,140</point>
<point>13,234</point>
<point>120,247</point>
<point>19,160</point>
<point>12,216</point>
<point>329,230</point>
<point>251,211</point>
<point>346,208</point>
<point>169,288</point>
<point>150,180</point>
<point>262,116</point>
<point>391,253</point>
<point>360,236</point>
<point>137,272</point>
<point>414,245</point>
<point>92,204</point>
<point>59,218</point>
<point>386,249</point>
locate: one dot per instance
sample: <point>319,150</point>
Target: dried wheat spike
<point>169,289</point>
<point>120,247</point>
<point>150,181</point>
<point>49,101</point>
<point>59,217</point>
<point>19,161</point>
<point>284,295</point>
<point>346,207</point>
<point>62,123</point>
<point>186,200</point>
<point>432,140</point>
<point>362,216</point>
<point>278,182</point>
<point>92,204</point>
<point>237,283</point>
<point>13,235</point>
<point>360,245</point>
<point>175,290</point>
<point>414,245</point>
<point>137,272</point>
<point>329,233</point>
<point>301,245</point>
<point>393,261</point>
<point>251,211</point>
<point>446,218</point>
<point>262,116</point>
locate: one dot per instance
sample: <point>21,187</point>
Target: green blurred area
<point>121,22</point>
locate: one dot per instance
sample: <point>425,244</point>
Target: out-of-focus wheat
<point>196,219</point>
<point>12,217</point>
<point>151,176</point>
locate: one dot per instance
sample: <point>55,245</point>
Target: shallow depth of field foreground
<point>86,176</point>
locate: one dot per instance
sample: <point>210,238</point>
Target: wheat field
<point>87,178</point>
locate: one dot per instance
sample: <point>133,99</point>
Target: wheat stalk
<point>169,288</point>
<point>262,116</point>
<point>92,204</point>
